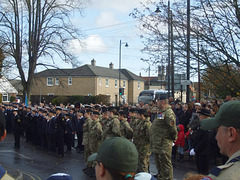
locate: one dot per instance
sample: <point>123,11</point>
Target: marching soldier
<point>112,128</point>
<point>126,130</point>
<point>142,140</point>
<point>95,135</point>
<point>133,117</point>
<point>86,130</point>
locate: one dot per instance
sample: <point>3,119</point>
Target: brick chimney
<point>111,65</point>
<point>93,62</point>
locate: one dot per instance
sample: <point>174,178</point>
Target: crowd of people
<point>169,129</point>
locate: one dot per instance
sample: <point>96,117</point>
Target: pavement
<point>33,163</point>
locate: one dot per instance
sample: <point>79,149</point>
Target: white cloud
<point>106,19</point>
<point>123,5</point>
<point>92,44</point>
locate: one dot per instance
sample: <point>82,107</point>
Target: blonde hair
<point>192,176</point>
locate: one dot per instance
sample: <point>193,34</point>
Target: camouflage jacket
<point>86,130</point>
<point>125,129</point>
<point>95,135</point>
<point>141,134</point>
<point>112,128</point>
<point>163,130</point>
<point>133,122</point>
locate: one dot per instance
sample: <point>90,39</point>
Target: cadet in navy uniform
<point>73,119</point>
<point>68,133</point>
<point>60,122</point>
<point>28,124</point>
<point>79,130</point>
<point>40,134</point>
<point>52,131</point>
<point>17,128</point>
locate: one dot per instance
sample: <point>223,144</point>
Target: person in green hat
<point>116,159</point>
<point>227,124</point>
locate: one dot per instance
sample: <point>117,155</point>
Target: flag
<point>26,100</point>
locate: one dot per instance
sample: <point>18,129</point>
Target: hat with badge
<point>96,113</point>
<point>77,105</point>
<point>58,108</point>
<point>142,111</point>
<point>204,112</point>
<point>228,115</point>
<point>117,153</point>
<point>104,109</point>
<point>122,113</point>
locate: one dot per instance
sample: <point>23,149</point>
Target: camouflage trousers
<point>87,153</point>
<point>164,165</point>
<point>143,158</point>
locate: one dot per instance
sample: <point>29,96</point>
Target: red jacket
<point>181,136</point>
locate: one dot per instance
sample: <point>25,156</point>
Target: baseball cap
<point>228,115</point>
<point>117,153</point>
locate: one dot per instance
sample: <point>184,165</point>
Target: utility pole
<point>172,58</point>
<point>169,42</point>
<point>188,49</point>
<point>199,84</point>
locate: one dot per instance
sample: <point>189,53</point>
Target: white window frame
<point>56,81</point>
<point>5,95</point>
<point>100,81</point>
<point>107,82</point>
<point>70,81</point>
<point>48,84</point>
<point>139,84</point>
<point>124,84</point>
<point>116,83</point>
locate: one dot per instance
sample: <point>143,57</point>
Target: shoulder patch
<point>172,122</point>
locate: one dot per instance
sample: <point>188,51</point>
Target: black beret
<point>142,111</point>
<point>96,112</point>
<point>205,112</point>
<point>104,109</point>
<point>77,105</point>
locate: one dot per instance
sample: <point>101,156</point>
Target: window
<point>56,81</point>
<point>69,80</point>
<point>100,81</point>
<point>51,94</point>
<point>116,82</point>
<point>49,81</point>
<point>107,82</point>
<point>5,97</point>
<point>124,84</point>
<point>138,84</point>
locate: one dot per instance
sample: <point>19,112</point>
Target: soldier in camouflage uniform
<point>112,128</point>
<point>104,119</point>
<point>95,135</point>
<point>134,120</point>
<point>141,139</point>
<point>86,130</point>
<point>163,134</point>
<point>126,130</point>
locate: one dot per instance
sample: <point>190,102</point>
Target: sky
<point>104,24</point>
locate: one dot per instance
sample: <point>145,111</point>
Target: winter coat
<point>181,136</point>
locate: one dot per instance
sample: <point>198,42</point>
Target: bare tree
<point>216,23</point>
<point>33,29</point>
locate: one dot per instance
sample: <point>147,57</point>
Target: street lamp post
<point>120,59</point>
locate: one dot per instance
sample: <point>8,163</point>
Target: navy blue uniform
<point>68,134</point>
<point>17,130</point>
<point>79,130</point>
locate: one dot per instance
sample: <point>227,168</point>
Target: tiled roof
<point>89,71</point>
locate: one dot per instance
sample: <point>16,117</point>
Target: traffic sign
<point>186,82</point>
